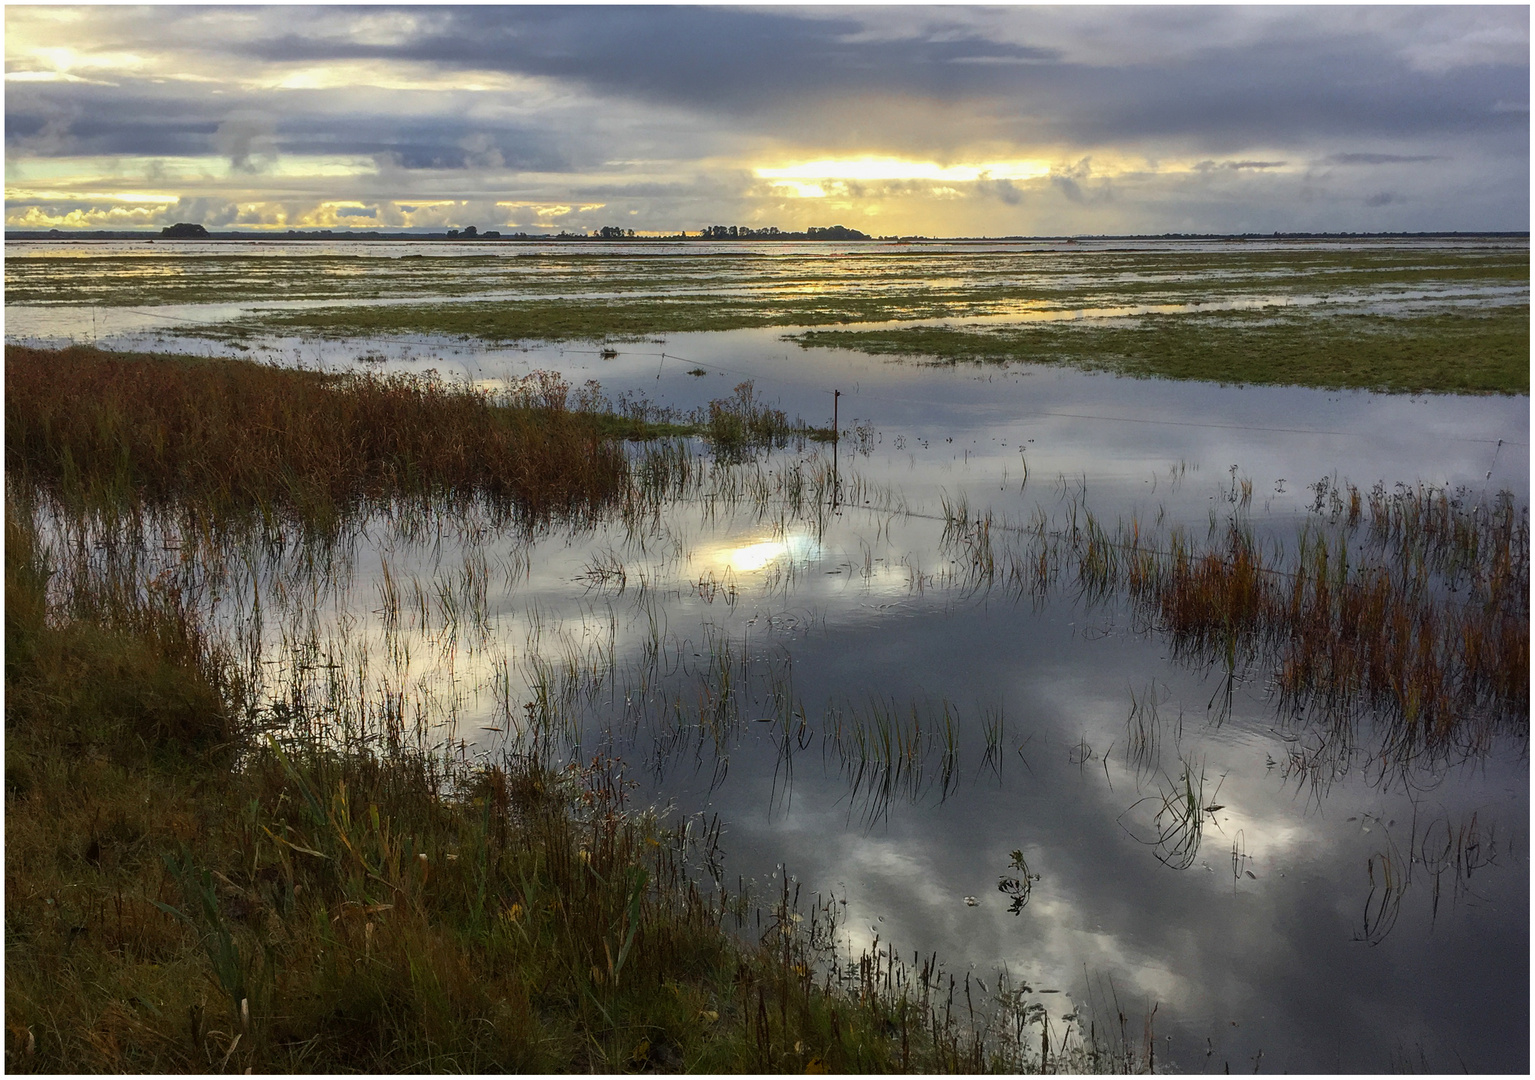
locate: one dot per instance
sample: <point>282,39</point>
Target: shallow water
<point>1264,937</point>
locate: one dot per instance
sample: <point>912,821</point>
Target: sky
<point>935,120</point>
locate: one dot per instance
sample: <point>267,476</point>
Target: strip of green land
<point>568,319</point>
<point>1477,350</point>
<point>978,281</point>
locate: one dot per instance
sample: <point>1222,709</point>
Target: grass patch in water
<point>1471,351</point>
<point>231,437</point>
<point>592,319</point>
<point>1408,607</point>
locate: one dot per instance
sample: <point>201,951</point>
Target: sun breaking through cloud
<point>939,121</point>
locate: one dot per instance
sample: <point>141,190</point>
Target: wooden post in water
<point>836,438</point>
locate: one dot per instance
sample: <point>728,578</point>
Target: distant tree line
<point>183,230</point>
<point>771,232</point>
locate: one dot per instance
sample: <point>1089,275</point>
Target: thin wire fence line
<point>1075,539</point>
<point>1075,416</point>
<point>859,392</point>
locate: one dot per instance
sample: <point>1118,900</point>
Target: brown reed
<point>1412,603</point>
<point>230,436</point>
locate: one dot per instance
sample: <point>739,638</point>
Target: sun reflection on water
<point>745,558</point>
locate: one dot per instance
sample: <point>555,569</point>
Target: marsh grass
<point>1174,828</point>
<point>891,751</point>
<point>1409,606</point>
<point>199,882</point>
<point>233,439</point>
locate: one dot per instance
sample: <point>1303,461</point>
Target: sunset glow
<point>939,121</point>
<point>873,168</point>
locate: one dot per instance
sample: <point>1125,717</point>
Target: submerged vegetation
<point>583,318</point>
<point>974,280</point>
<point>1479,350</point>
<point>1410,607</point>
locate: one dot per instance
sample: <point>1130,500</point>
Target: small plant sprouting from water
<point>1172,821</point>
<point>1017,887</point>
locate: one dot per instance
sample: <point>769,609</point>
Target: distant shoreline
<point>56,235</point>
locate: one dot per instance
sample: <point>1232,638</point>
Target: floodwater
<point>728,648</point>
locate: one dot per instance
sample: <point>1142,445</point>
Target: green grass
<point>1478,350</point>
<point>904,275</point>
<point>1430,331</point>
<point>576,319</point>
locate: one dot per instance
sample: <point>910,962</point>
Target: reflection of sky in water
<point>870,606</point>
<point>745,556</point>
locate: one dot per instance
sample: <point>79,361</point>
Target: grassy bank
<point>1473,351</point>
<point>184,894</point>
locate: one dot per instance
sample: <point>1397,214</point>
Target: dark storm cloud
<point>143,118</point>
<point>826,77</point>
<point>734,59</point>
<point>88,119</point>
<point>85,119</point>
<point>773,65</point>
<point>1380,159</point>
<point>1231,98</point>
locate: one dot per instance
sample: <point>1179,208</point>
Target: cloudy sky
<point>934,120</point>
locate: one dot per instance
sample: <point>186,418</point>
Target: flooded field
<point>1048,671</point>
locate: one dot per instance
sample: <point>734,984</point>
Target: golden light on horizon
<point>806,174</point>
<point>101,196</point>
